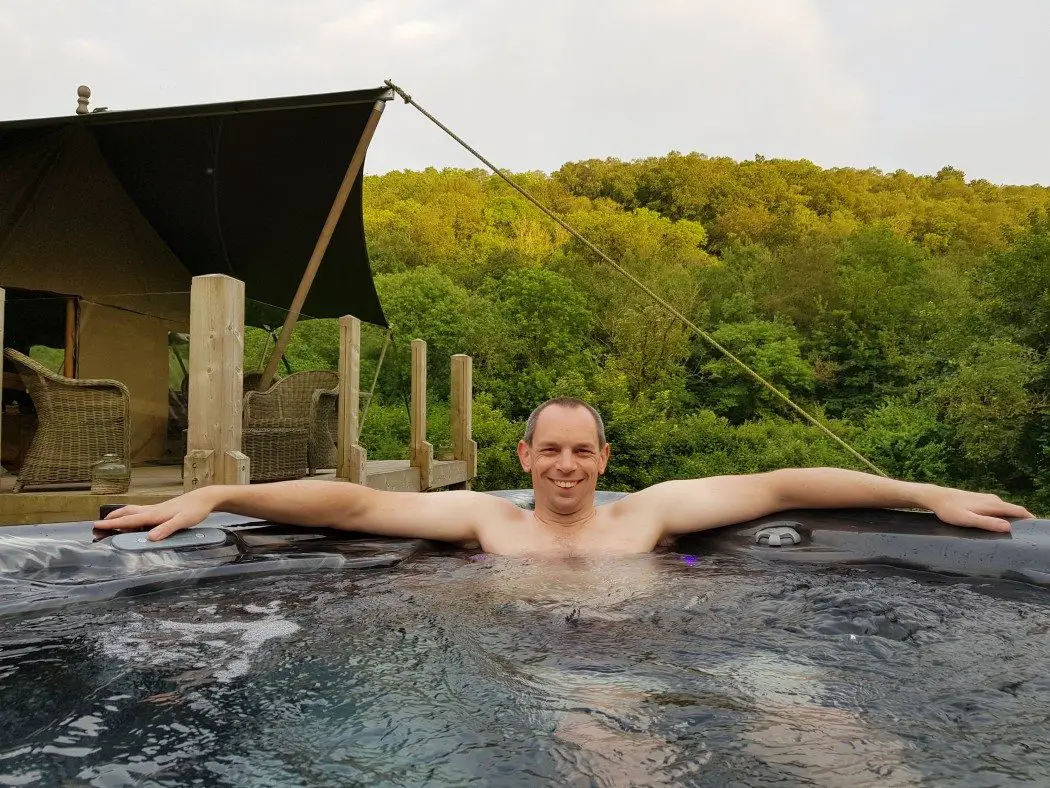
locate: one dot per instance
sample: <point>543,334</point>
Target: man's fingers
<point>127,520</point>
<point>115,516</point>
<point>166,529</point>
<point>161,524</point>
<point>987,523</point>
<point>997,512</point>
<point>123,511</point>
<point>133,517</point>
<point>1013,510</point>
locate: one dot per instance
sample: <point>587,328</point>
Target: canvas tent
<point>120,209</point>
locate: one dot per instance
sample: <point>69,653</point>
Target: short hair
<point>565,402</point>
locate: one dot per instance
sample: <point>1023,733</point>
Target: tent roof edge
<point>202,110</point>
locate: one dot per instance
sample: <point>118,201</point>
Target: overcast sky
<point>912,84</point>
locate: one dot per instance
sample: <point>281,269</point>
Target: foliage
<point>910,311</point>
<point>770,348</point>
<point>50,357</point>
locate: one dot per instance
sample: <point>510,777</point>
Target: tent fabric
<point>121,209</point>
<point>68,227</point>
<point>239,188</point>
<point>132,348</point>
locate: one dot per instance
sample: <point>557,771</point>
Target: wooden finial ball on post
<point>83,96</point>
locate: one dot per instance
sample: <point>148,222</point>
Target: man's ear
<point>603,458</point>
<point>523,457</point>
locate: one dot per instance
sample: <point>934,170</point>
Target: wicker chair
<point>78,421</point>
<point>290,429</point>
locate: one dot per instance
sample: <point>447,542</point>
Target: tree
<point>545,330</point>
<point>425,303</point>
<point>772,349</point>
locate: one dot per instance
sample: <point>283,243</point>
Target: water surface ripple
<point>654,670</point>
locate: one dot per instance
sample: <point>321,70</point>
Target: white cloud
<point>418,30</point>
<point>535,85</point>
<point>639,79</point>
<point>362,21</point>
<point>92,52</point>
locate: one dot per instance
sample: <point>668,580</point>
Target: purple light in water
<point>690,560</point>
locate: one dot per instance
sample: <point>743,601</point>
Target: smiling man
<point>565,451</point>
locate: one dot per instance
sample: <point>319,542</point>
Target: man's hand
<point>165,518</point>
<point>972,510</point>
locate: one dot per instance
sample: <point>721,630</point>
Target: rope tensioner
<point>640,285</point>
<point>399,91</point>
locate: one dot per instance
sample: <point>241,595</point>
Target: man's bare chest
<point>603,535</point>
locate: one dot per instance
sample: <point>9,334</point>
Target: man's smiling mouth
<point>565,484</point>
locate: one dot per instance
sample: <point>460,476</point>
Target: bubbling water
<point>641,670</point>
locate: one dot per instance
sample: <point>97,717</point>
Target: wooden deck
<point>154,484</point>
<point>216,419</point>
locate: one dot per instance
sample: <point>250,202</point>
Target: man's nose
<point>566,461</point>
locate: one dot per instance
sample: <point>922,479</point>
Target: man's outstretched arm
<point>699,504</point>
<point>444,516</point>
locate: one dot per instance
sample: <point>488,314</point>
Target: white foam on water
<point>26,778</point>
<point>225,647</point>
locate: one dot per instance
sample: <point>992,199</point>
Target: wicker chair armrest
<point>61,380</point>
<point>322,398</point>
<point>249,398</point>
<point>261,396</point>
<point>324,428</point>
<point>263,409</point>
<point>100,383</point>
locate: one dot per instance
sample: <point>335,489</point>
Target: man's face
<point>564,458</point>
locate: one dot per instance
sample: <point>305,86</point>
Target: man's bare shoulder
<point>480,507</point>
<point>649,499</point>
<point>686,505</point>
<point>491,511</point>
<point>500,524</point>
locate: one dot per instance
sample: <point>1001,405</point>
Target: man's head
<point>564,449</point>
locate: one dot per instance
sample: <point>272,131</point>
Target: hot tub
<point>880,647</point>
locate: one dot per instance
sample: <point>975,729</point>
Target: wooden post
<point>352,171</point>
<point>68,363</point>
<point>422,452</point>
<point>463,446</point>
<point>214,453</point>
<point>352,457</point>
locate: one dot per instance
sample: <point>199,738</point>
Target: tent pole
<point>3,301</point>
<point>68,364</point>
<point>352,171</point>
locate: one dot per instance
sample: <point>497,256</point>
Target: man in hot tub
<point>565,451</point>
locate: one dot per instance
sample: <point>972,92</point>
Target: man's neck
<point>565,521</point>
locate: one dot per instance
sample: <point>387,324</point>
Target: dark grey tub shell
<point>48,566</point>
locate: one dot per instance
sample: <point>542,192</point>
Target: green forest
<point>909,313</point>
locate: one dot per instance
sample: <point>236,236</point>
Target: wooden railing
<point>214,453</point>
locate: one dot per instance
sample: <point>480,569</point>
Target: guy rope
<point>641,285</point>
